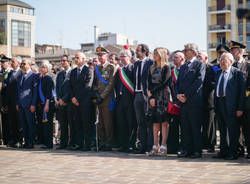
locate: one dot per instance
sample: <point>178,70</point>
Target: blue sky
<point>167,23</point>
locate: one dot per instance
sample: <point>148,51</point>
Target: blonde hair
<point>163,52</point>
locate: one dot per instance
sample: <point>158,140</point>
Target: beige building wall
<point>9,16</point>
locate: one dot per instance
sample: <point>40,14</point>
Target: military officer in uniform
<point>220,49</point>
<point>5,64</point>
<point>104,98</point>
<point>237,50</point>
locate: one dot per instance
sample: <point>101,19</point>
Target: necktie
<point>139,76</point>
<point>78,72</point>
<point>221,87</point>
<point>23,79</point>
<point>64,75</point>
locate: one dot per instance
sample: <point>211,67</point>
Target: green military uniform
<point>105,126</point>
<point>244,66</point>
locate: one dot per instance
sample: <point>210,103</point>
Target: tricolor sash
<point>44,119</point>
<point>175,74</point>
<point>112,96</point>
<point>126,81</point>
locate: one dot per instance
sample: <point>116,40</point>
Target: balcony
<point>215,10</point>
<point>219,28</point>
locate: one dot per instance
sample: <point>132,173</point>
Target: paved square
<point>57,167</point>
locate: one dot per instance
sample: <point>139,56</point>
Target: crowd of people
<point>137,102</point>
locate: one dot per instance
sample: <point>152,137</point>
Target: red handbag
<point>173,108</point>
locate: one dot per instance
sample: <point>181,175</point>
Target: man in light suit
<point>63,97</point>
<point>189,93</point>
<point>229,104</point>
<point>140,78</point>
<point>26,101</point>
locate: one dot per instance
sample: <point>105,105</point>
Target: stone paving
<point>57,167</point>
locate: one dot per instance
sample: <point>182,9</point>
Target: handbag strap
<point>170,99</point>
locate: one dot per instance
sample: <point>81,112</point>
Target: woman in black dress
<point>46,104</point>
<point>158,92</point>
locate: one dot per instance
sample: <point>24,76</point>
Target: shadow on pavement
<point>206,157</point>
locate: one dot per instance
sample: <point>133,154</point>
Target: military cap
<point>5,59</point>
<point>222,48</point>
<point>101,50</point>
<point>234,44</point>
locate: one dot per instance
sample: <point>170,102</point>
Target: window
<point>21,33</point>
<point>248,4</point>
<point>241,38</point>
<point>248,38</point>
<point>221,38</point>
<point>240,26</point>
<point>248,27</point>
<point>16,10</point>
<point>29,11</point>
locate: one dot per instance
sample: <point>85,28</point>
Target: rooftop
<point>15,3</point>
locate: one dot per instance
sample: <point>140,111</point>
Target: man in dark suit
<point>15,127</point>
<point>237,50</point>
<point>189,93</point>
<point>140,78</point>
<point>81,80</point>
<point>208,120</point>
<point>229,104</point>
<point>175,135</point>
<point>26,101</point>
<point>125,114</point>
<point>63,97</point>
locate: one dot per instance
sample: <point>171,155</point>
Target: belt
<point>247,93</point>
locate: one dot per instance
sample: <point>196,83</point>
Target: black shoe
<point>231,157</point>
<point>210,150</point>
<point>46,147</point>
<point>195,155</point>
<point>86,149</point>
<point>106,149</point>
<point>75,147</point>
<point>241,151</point>
<point>61,147</point>
<point>248,156</point>
<point>140,151</point>
<point>28,146</point>
<point>220,155</point>
<point>183,154</point>
<point>124,150</point>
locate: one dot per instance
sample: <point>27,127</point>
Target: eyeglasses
<point>23,64</point>
<point>64,60</point>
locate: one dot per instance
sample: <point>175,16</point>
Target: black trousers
<point>191,125</point>
<point>125,118</point>
<point>174,135</point>
<point>46,128</point>
<point>208,127</point>
<point>145,129</point>
<point>229,128</point>
<point>5,128</point>
<point>14,124</point>
<point>82,125</point>
<point>63,118</point>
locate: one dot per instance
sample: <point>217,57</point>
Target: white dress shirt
<point>226,75</point>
